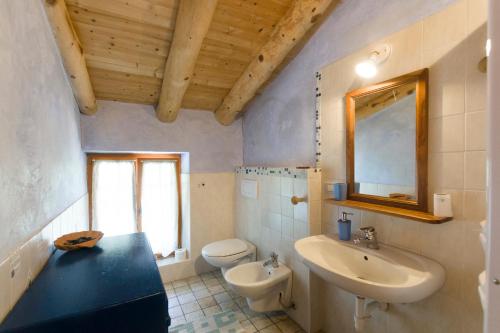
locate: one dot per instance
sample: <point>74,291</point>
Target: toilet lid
<point>224,248</point>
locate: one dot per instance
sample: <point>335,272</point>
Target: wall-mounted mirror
<point>387,142</point>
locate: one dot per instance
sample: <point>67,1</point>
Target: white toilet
<point>228,253</point>
<point>266,288</point>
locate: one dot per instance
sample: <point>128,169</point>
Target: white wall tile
<point>5,288</point>
<point>286,227</point>
<point>475,170</point>
<point>300,187</point>
<point>300,212</point>
<point>286,207</point>
<point>275,222</point>
<point>274,203</point>
<point>24,264</point>
<point>286,186</point>
<point>300,229</point>
<point>475,131</point>
<point>447,134</point>
<point>275,185</point>
<point>446,170</point>
<point>474,205</point>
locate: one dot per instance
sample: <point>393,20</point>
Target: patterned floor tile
<point>207,276</point>
<point>207,302</point>
<point>288,326</point>
<point>193,279</point>
<point>194,315</point>
<point>197,286</point>
<point>179,283</point>
<point>277,316</point>
<point>224,322</point>
<point>241,301</point>
<point>212,282</point>
<point>248,326</point>
<point>212,310</point>
<point>261,322</point>
<point>231,305</point>
<point>190,307</point>
<point>173,302</point>
<point>177,321</point>
<point>182,290</point>
<point>216,289</point>
<point>222,297</point>
<point>176,311</point>
<point>202,293</point>
<point>240,315</point>
<point>186,298</point>
<point>250,313</point>
<point>270,329</point>
<point>199,303</point>
<point>231,293</point>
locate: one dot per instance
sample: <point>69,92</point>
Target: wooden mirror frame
<point>421,79</point>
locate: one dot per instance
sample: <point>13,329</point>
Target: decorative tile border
<point>282,172</point>
<point>318,120</point>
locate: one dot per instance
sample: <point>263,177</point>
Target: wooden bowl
<point>78,240</point>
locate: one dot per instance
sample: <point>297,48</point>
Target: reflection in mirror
<point>385,152</point>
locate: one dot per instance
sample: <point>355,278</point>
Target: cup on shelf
<point>340,191</point>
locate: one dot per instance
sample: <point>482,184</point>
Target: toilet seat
<point>224,248</point>
<point>226,253</point>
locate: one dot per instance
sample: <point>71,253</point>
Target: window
<point>131,193</point>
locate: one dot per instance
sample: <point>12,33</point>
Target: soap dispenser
<point>344,227</point>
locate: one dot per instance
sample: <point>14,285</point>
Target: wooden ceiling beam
<point>288,32</point>
<point>72,55</point>
<point>191,27</point>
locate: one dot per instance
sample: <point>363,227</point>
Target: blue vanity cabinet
<point>113,287</point>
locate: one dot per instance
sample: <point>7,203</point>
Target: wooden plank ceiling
<point>126,44</point>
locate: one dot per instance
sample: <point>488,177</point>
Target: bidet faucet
<point>273,261</point>
<point>366,236</point>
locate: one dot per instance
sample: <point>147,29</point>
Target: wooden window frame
<point>137,159</point>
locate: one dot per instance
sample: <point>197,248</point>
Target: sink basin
<point>387,275</point>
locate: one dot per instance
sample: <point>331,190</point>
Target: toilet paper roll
<point>442,205</point>
<point>181,254</point>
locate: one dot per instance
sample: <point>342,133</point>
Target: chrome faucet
<point>273,261</point>
<point>366,236</point>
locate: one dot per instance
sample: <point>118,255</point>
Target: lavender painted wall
<point>42,166</point>
<point>278,127</point>
<point>134,127</point>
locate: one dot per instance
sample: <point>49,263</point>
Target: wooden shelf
<point>393,211</point>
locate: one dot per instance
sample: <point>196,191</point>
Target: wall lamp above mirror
<point>387,142</point>
<point>368,68</point>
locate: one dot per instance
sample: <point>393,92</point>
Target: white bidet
<point>266,288</point>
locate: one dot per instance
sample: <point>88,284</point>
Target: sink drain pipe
<point>364,310</point>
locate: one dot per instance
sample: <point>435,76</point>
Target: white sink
<point>387,275</point>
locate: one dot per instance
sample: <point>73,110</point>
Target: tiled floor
<point>208,293</point>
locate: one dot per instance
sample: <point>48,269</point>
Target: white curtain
<point>159,205</point>
<point>113,197</point>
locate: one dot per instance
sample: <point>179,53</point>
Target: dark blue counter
<point>113,287</point>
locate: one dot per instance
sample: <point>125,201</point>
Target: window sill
<point>170,261</point>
